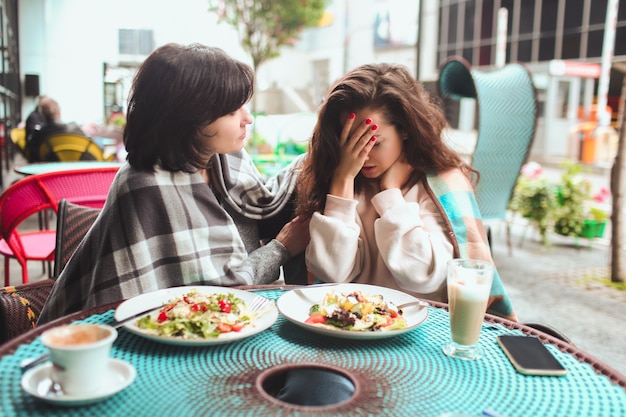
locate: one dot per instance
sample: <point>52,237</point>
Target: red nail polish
<point>373,138</point>
<point>374,127</point>
<point>368,121</point>
<point>352,116</point>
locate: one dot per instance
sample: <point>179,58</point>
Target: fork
<point>260,305</point>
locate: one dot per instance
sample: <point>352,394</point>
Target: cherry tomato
<point>388,323</point>
<point>162,317</point>
<point>238,326</point>
<point>224,328</point>
<point>225,306</point>
<point>198,307</point>
<point>316,318</point>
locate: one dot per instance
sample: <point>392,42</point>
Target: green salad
<point>199,316</point>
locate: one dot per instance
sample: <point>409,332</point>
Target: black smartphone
<point>529,356</point>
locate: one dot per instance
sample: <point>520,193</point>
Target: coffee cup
<point>80,355</point>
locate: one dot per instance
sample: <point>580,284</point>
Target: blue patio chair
<point>506,103</point>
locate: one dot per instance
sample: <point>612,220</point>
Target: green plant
<point>534,199</point>
<point>565,207</point>
<point>574,193</point>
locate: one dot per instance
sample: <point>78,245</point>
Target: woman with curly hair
<point>390,202</point>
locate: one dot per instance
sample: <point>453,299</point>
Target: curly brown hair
<point>404,103</point>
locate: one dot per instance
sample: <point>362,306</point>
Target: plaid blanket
<point>247,191</point>
<point>455,195</point>
<point>166,229</point>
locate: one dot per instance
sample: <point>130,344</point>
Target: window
<point>468,29</point>
<point>573,14</point>
<point>452,23</point>
<point>467,54</point>
<point>594,44</point>
<point>597,12</point>
<point>526,17</point>
<point>620,47</point>
<point>546,48</point>
<point>487,21</point>
<point>524,51</point>
<point>571,46</point>
<point>549,10</point>
<point>485,55</point>
<point>135,41</point>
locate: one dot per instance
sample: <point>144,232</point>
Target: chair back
<point>17,203</point>
<point>73,223</point>
<point>86,187</point>
<point>18,137</point>
<point>507,116</point>
<point>36,193</point>
<point>67,147</point>
<point>20,307</point>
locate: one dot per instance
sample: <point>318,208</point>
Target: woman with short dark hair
<point>185,208</point>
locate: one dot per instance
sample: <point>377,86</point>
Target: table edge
<point>599,366</point>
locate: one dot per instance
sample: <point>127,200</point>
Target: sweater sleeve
<point>266,262</point>
<point>334,251</point>
<point>411,241</point>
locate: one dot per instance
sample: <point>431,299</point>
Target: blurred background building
<point>85,53</point>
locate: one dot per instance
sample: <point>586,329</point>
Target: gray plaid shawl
<point>166,229</point>
<point>247,191</point>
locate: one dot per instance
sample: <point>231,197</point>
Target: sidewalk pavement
<point>556,285</point>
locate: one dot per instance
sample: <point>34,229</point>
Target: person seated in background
<point>51,112</point>
<point>186,207</point>
<point>391,203</point>
<point>35,120</point>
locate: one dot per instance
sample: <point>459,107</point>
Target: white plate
<point>36,381</point>
<point>295,305</point>
<point>145,301</point>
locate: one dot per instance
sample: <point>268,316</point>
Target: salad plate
<point>295,305</point>
<point>162,297</point>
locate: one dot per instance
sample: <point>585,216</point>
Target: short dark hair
<point>178,91</point>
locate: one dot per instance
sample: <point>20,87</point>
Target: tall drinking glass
<point>469,284</point>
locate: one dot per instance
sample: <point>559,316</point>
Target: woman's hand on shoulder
<point>397,175</point>
<point>295,235</point>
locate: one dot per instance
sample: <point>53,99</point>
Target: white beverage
<point>467,311</point>
<point>469,285</point>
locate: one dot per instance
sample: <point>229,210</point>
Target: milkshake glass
<point>469,284</point>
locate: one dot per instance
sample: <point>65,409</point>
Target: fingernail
<point>373,138</point>
<point>374,127</point>
<point>368,121</point>
<point>352,116</point>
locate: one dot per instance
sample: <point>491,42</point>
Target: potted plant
<point>566,207</point>
<point>579,213</point>
<point>596,215</point>
<point>534,198</point>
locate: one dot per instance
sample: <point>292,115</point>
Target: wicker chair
<point>20,307</point>
<point>507,116</point>
<point>73,222</point>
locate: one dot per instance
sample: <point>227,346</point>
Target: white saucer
<point>37,380</point>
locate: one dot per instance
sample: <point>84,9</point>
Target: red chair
<point>38,194</point>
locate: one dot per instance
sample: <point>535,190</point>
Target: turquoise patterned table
<point>406,375</point>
